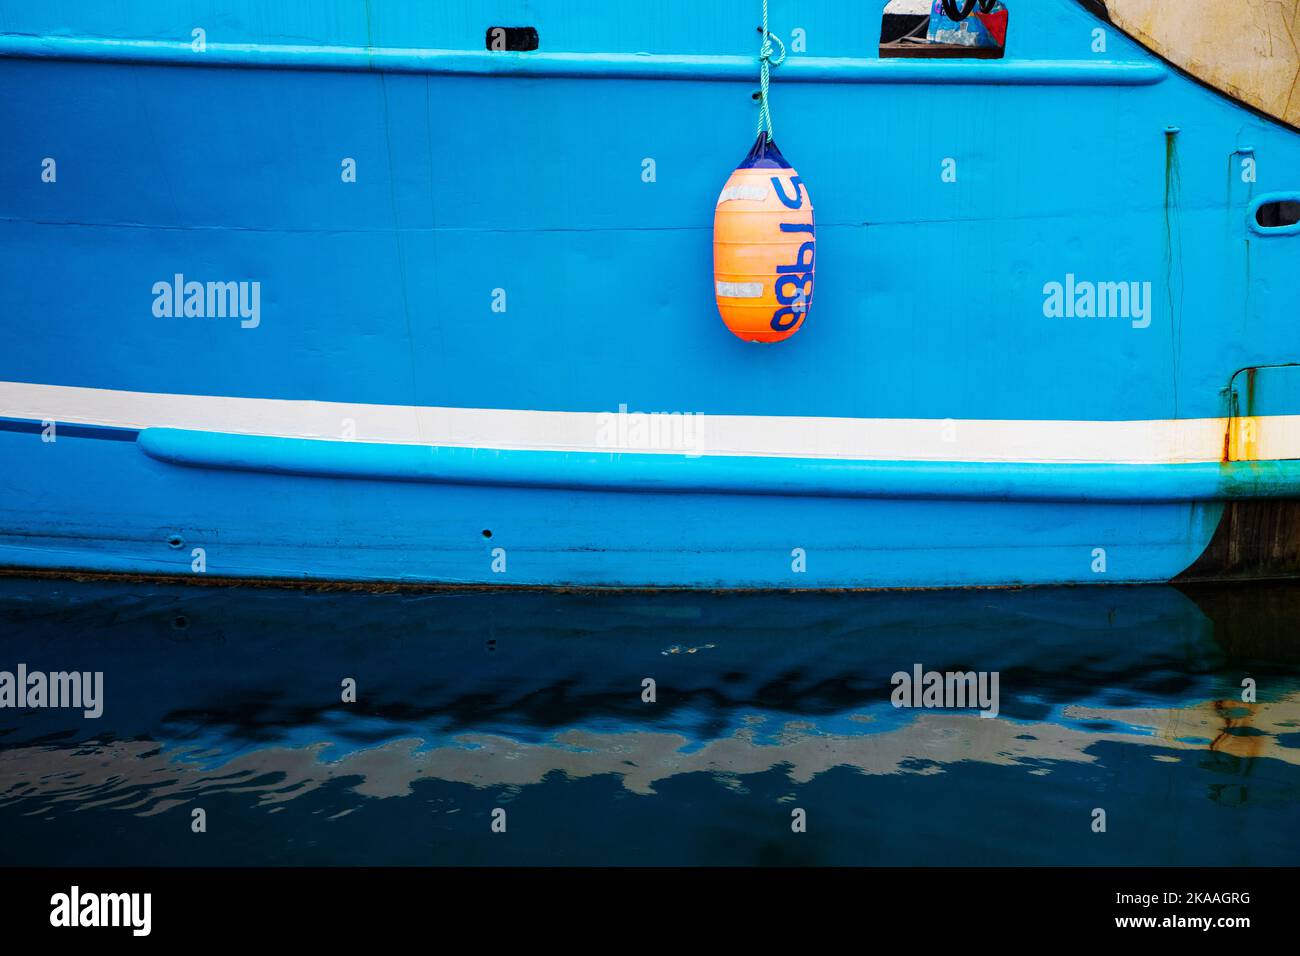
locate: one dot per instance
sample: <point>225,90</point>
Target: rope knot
<point>765,53</point>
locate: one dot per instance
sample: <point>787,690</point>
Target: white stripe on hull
<point>1159,441</point>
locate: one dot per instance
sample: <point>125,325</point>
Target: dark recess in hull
<point>1254,540</point>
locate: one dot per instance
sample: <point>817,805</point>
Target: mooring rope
<point>766,62</point>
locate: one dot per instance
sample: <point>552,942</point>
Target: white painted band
<point>749,191</point>
<point>1161,441</point>
<point>740,290</point>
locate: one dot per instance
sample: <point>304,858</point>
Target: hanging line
<point>766,62</point>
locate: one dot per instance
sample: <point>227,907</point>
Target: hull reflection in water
<point>229,700</point>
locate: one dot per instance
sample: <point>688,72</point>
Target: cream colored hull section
<point>1246,48</point>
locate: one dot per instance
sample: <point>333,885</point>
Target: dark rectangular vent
<point>513,39</point>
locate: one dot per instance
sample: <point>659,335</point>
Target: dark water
<point>1126,700</point>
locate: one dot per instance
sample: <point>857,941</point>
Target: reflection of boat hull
<point>401,384</point>
<point>529,663</point>
<point>210,701</point>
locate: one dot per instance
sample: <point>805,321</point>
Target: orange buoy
<point>764,247</point>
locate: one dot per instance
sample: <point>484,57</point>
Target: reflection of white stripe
<point>740,290</point>
<point>880,439</point>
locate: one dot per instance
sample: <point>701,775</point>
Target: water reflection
<point>229,699</point>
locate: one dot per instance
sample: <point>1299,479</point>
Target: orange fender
<point>764,247</point>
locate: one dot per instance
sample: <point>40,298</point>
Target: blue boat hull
<point>256,525</point>
<point>332,292</point>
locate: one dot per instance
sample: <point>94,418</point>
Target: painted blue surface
<point>663,473</point>
<point>108,506</point>
<point>596,65</point>
<point>381,290</point>
<point>1271,390</point>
